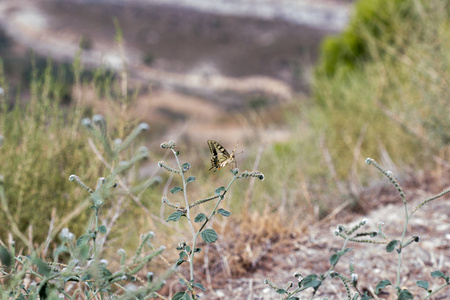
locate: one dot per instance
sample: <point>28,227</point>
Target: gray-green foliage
<point>42,147</point>
<point>371,237</point>
<point>394,97</point>
<point>78,267</point>
<point>184,211</point>
<point>372,19</point>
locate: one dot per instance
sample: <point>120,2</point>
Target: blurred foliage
<point>148,59</point>
<point>42,147</point>
<point>373,19</point>
<point>86,42</point>
<point>391,104</point>
<point>384,84</point>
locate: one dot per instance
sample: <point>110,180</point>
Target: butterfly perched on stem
<point>220,157</point>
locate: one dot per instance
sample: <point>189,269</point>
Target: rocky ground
<point>309,252</point>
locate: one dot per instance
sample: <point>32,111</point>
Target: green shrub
<point>42,146</point>
<point>395,100</point>
<point>372,19</point>
<point>148,59</point>
<point>79,266</point>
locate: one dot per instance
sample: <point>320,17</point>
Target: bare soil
<point>309,252</point>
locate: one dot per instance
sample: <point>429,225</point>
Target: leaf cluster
<point>78,267</point>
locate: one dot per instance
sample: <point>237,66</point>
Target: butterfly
<point>220,157</point>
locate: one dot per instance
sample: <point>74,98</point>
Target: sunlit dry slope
<point>234,56</point>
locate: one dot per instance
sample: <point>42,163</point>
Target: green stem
<point>399,251</point>
<point>14,227</point>
<point>188,216</point>
<point>332,266</point>
<point>45,280</point>
<point>325,275</point>
<point>209,218</point>
<point>95,233</point>
<point>436,291</point>
<point>221,197</point>
<point>195,236</point>
<point>188,212</point>
<point>139,267</point>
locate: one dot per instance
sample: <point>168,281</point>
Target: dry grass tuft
<point>247,245</point>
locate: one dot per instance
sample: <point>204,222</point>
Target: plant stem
<point>399,251</point>
<point>195,235</point>
<point>436,290</point>
<point>15,229</point>
<point>188,216</point>
<point>217,204</point>
<point>95,233</point>
<point>332,266</point>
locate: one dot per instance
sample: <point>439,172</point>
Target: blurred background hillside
<point>194,60</point>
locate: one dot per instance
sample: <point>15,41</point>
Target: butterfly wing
<point>214,160</point>
<point>212,147</point>
<point>220,155</point>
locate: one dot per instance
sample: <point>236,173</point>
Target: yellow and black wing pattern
<point>220,156</point>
